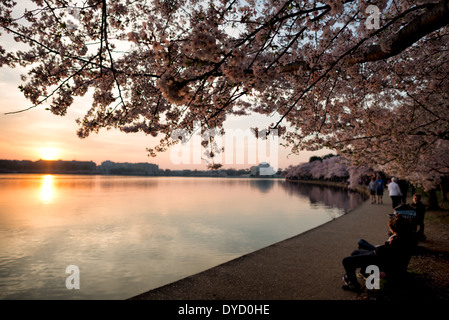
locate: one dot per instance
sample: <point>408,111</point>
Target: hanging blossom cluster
<point>377,96</point>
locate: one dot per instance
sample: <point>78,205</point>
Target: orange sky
<point>37,134</point>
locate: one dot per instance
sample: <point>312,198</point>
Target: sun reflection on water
<point>47,189</point>
<point>105,225</point>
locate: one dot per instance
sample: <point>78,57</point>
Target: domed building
<point>263,169</point>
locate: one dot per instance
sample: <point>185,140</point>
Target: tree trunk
<point>432,200</point>
<point>444,189</point>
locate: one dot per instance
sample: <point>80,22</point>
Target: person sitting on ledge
<point>392,258</point>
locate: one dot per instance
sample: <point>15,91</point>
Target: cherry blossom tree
<point>335,169</point>
<point>330,77</point>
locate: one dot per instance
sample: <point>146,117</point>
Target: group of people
<point>376,187</point>
<point>394,255</point>
<point>397,190</point>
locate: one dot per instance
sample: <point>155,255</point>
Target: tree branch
<point>436,17</point>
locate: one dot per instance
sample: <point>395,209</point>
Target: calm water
<point>128,235</point>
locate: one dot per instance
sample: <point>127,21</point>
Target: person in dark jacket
<point>392,257</point>
<point>420,209</point>
<point>403,185</point>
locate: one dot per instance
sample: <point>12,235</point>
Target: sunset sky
<point>37,134</point>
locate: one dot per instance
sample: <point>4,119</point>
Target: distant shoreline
<point>360,189</point>
<point>276,177</point>
<point>120,168</point>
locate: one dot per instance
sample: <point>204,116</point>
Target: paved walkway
<point>304,267</point>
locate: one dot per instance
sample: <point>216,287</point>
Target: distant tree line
<point>207,173</point>
<point>109,167</point>
<point>47,166</point>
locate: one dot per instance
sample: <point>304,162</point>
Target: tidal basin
<point>128,235</point>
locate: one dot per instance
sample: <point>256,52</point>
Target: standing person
<point>403,185</point>
<point>372,186</point>
<point>380,189</point>
<point>420,209</point>
<point>412,190</point>
<point>395,192</point>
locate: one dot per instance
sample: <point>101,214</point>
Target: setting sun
<point>49,153</point>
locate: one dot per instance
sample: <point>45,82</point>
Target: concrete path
<point>304,267</point>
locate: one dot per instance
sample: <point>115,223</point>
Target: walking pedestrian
<point>372,186</point>
<point>395,192</point>
<point>380,189</point>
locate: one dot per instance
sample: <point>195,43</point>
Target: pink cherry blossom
<point>379,97</point>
